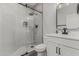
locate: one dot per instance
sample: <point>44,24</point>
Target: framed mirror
<point>67,16</point>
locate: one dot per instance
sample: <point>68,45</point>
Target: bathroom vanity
<point>62,45</point>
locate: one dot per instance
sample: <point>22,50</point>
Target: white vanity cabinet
<point>51,49</point>
<point>68,51</point>
<point>57,46</point>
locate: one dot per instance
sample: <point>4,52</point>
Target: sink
<point>74,33</point>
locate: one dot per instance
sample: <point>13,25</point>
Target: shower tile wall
<point>38,31</point>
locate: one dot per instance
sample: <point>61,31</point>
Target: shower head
<point>32,13</point>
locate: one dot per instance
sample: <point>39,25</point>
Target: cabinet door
<point>68,51</point>
<point>52,49</point>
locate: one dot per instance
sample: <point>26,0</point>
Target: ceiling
<point>33,5</point>
<point>36,6</point>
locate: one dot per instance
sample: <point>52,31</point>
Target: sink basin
<point>73,33</point>
<point>70,34</point>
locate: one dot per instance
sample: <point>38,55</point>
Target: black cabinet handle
<point>56,50</point>
<point>59,51</point>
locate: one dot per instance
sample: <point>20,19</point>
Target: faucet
<point>65,31</point>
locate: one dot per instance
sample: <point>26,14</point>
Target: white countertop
<point>74,37</point>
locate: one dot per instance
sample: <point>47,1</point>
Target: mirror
<point>66,13</point>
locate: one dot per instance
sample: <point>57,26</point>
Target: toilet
<point>41,49</point>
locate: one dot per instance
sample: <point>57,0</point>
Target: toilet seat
<point>40,48</point>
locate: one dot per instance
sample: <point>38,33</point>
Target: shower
<point>33,26</point>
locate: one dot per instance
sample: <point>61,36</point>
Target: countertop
<point>73,37</point>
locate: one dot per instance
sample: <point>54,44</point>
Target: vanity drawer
<point>71,43</point>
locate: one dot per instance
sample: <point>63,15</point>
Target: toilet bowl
<point>41,49</point>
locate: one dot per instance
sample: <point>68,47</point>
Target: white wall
<point>12,33</point>
<point>49,18</point>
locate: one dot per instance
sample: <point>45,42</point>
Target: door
<point>68,51</point>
